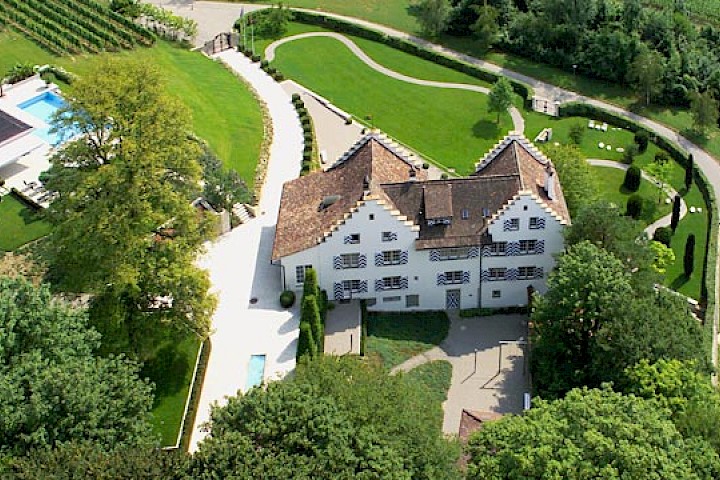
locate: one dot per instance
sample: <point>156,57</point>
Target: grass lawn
<point>432,121</point>
<point>393,338</point>
<point>171,372</point>
<point>610,180</point>
<point>18,224</point>
<point>436,376</point>
<point>224,112</point>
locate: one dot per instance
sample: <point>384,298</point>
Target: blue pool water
<point>256,371</point>
<point>43,107</point>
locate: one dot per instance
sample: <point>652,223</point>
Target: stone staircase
<point>242,212</point>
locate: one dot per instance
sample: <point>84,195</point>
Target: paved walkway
<point>342,329</point>
<point>518,121</point>
<point>487,375</point>
<point>240,269</point>
<point>669,191</point>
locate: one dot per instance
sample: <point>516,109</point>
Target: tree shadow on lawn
<point>679,281</point>
<point>29,217</point>
<point>167,370</point>
<point>486,129</point>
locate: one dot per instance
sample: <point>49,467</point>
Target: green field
<point>393,338</point>
<point>18,224</point>
<point>224,111</point>
<point>433,121</point>
<point>171,372</point>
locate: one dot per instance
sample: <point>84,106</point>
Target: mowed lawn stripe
<point>452,127</point>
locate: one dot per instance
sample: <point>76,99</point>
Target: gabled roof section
<point>516,155</point>
<point>438,200</point>
<point>306,216</point>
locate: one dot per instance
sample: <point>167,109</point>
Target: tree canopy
<point>53,388</point>
<point>124,226</point>
<point>579,184</point>
<point>337,419</point>
<point>589,434</point>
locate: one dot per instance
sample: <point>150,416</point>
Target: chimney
<point>412,174</point>
<point>550,181</point>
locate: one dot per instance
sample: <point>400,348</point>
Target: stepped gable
<point>515,155</point>
<point>480,197</point>
<point>312,205</point>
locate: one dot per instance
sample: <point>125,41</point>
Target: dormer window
<point>486,212</point>
<point>366,183</point>
<point>327,202</point>
<point>465,214</point>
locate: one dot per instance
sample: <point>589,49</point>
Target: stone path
<point>342,329</point>
<point>669,191</point>
<point>240,268</point>
<point>518,121</point>
<point>486,375</point>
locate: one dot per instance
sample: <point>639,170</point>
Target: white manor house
<point>374,227</point>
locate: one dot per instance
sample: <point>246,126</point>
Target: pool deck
<point>24,157</point>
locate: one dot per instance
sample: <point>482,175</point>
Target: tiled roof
<point>473,195</point>
<point>11,126</point>
<point>373,168</point>
<point>302,222</point>
<point>515,155</point>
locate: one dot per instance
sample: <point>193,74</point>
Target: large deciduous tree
<point>579,184</point>
<point>704,109</point>
<point>583,291</point>
<point>124,226</point>
<point>53,388</point>
<point>646,73</point>
<point>590,434</point>
<point>77,460</point>
<point>432,15</point>
<point>337,419</point>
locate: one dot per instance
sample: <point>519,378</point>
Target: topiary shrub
<point>632,178</point>
<point>689,172</point>
<point>641,140</point>
<point>662,158</point>
<point>264,64</point>
<point>663,235</point>
<point>634,206</point>
<point>425,165</point>
<point>444,176</point>
<point>306,342</point>
<point>287,298</point>
<point>295,97</point>
<point>675,217</point>
<point>307,156</point>
<point>255,58</point>
<point>629,154</point>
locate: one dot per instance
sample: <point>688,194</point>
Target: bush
<point>577,132</point>
<point>264,64</point>
<point>425,165</point>
<point>642,138</point>
<point>307,136</point>
<point>307,156</point>
<point>444,176</point>
<point>255,58</point>
<point>305,122</point>
<point>306,342</point>
<point>634,206</point>
<point>629,154</point>
<point>662,158</point>
<point>675,217</point>
<point>633,176</point>
<point>278,76</point>
<point>663,235</point>
<point>287,298</point>
<point>295,97</point>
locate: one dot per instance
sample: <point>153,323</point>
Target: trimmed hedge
<point>525,91</point>
<point>195,390</point>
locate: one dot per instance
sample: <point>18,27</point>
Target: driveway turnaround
<point>249,320</point>
<point>489,369</point>
<point>518,121</point>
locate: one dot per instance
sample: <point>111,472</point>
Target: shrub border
<point>185,434</point>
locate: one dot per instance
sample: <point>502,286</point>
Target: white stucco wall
<point>514,292</point>
<point>372,218</point>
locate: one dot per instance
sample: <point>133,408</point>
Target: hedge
<point>525,91</point>
<point>25,200</point>
<point>195,390</point>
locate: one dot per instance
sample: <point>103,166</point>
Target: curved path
<point>517,118</point>
<point>661,222</point>
<point>240,269</point>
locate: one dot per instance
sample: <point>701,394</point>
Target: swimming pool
<point>43,107</point>
<point>256,371</point>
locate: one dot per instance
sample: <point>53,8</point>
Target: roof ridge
<point>382,139</point>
